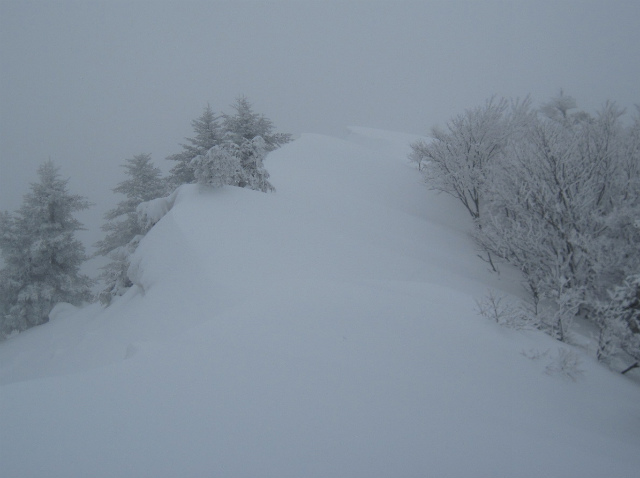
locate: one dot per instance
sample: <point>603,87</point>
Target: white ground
<point>326,330</point>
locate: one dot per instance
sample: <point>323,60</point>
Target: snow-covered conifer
<point>208,133</point>
<point>245,125</point>
<point>144,183</point>
<point>42,257</point>
<point>219,166</point>
<point>254,174</point>
<point>123,229</point>
<point>236,136</point>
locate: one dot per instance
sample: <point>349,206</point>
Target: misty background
<point>89,83</point>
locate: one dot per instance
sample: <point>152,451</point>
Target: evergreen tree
<point>246,125</point>
<point>236,137</point>
<point>122,227</point>
<point>42,257</point>
<point>219,166</point>
<point>234,165</point>
<point>144,183</point>
<point>254,175</point>
<point>208,134</point>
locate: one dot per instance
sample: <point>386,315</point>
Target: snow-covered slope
<point>324,330</point>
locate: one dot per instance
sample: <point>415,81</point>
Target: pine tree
<point>42,257</point>
<point>254,174</point>
<point>219,166</point>
<point>122,227</point>
<point>144,184</point>
<point>236,138</point>
<point>246,125</point>
<point>208,134</point>
<point>233,165</point>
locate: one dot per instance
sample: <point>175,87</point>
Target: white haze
<point>89,84</point>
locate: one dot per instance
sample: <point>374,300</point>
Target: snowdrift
<point>328,329</point>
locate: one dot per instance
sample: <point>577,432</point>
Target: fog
<point>89,84</point>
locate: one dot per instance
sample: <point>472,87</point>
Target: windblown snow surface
<point>326,330</point>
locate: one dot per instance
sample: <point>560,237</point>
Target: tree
<point>557,108</point>
<point>237,137</point>
<point>208,134</point>
<point>456,159</point>
<point>42,257</point>
<point>556,193</point>
<point>254,174</point>
<point>234,165</point>
<point>246,125</point>
<point>559,206</point>
<point>618,320</point>
<point>219,166</point>
<point>123,229</point>
<point>144,183</point>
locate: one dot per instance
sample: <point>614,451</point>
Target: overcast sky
<point>90,83</point>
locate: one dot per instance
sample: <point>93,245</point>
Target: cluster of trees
<point>42,257</point>
<point>555,192</point>
<point>240,141</point>
<point>227,149</point>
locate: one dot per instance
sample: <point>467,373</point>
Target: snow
<point>150,212</point>
<point>328,329</point>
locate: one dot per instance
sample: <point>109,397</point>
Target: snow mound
<point>150,212</point>
<point>62,309</point>
<point>324,330</point>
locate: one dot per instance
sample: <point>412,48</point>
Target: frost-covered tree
<point>144,183</point>
<point>618,320</point>
<point>254,175</point>
<point>559,207</point>
<point>556,193</point>
<point>115,275</point>
<point>219,166</point>
<point>234,165</point>
<point>123,229</point>
<point>455,160</point>
<point>208,133</point>
<point>245,124</point>
<point>558,109</point>
<point>41,254</point>
<point>235,134</point>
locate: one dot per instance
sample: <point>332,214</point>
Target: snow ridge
<point>328,329</point>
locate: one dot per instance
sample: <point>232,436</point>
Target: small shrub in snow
<point>565,364</point>
<point>501,310</point>
<point>535,354</point>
